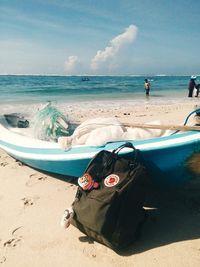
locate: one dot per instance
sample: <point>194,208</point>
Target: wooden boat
<point>172,159</point>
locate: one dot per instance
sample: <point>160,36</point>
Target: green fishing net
<point>50,123</point>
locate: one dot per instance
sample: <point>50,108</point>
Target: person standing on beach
<point>147,86</point>
<point>191,86</point>
<point>198,89</point>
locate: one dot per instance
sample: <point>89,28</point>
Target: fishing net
<point>50,124</point>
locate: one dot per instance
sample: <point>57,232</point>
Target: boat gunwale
<point>83,151</point>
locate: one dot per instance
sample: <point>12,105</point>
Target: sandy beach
<point>32,204</point>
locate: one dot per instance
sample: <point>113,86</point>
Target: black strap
<point>128,145</point>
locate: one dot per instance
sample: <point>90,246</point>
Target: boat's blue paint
<point>169,164</point>
<point>72,168</point>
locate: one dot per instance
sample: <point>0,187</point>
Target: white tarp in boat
<point>99,131</point>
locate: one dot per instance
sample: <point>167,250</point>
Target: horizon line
<point>97,75</point>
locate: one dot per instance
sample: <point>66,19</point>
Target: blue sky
<point>104,37</point>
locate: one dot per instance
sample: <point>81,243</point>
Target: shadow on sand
<point>173,216</point>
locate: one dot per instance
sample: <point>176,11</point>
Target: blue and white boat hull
<point>168,158</point>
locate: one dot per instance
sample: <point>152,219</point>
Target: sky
<point>99,37</point>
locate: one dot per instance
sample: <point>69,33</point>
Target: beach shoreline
<point>32,204</point>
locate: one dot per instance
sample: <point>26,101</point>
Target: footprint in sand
<point>3,164</point>
<point>14,241</point>
<point>27,201</point>
<point>2,259</point>
<point>19,163</point>
<point>16,232</point>
<point>94,249</point>
<point>35,178</point>
<point>89,251</point>
<point>16,238</point>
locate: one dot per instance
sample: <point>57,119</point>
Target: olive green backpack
<point>109,207</point>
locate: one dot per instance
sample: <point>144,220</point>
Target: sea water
<point>19,93</point>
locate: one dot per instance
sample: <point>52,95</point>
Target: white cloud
<point>72,63</point>
<point>110,52</point>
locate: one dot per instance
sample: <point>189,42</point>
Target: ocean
<point>27,91</point>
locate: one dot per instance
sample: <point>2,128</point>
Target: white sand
<point>32,204</point>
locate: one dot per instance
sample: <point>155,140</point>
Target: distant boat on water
<point>85,79</point>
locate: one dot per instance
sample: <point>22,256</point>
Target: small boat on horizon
<point>85,79</point>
